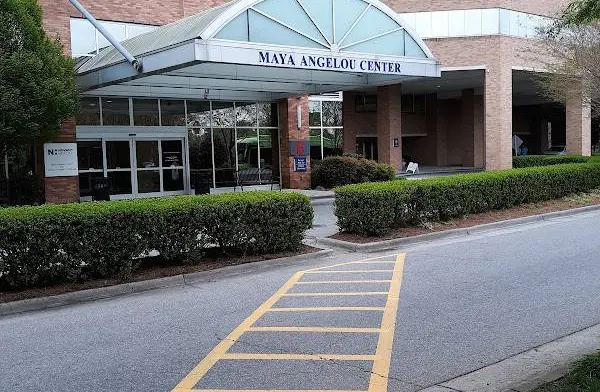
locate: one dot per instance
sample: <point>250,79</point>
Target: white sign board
<point>60,159</point>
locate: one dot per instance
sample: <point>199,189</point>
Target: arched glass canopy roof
<point>266,50</point>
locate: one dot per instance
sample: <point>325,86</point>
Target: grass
<point>583,377</point>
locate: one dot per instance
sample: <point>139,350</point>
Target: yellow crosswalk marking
<point>328,309</point>
<point>344,281</point>
<point>350,294</point>
<point>315,329</point>
<point>297,357</point>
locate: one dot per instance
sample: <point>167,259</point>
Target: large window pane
<point>116,29</point>
<point>173,180</point>
<point>473,22</point>
<point>224,147</point>
<point>314,113</point>
<point>198,114</point>
<point>456,23</point>
<point>333,141</point>
<point>200,150</point>
<point>439,24</point>
<point>223,114</point>
<point>490,21</point>
<point>245,114</point>
<point>269,155</point>
<point>89,111</point>
<point>83,37</point>
<point>172,112</point>
<point>332,113</point>
<point>119,182</point>
<point>89,155</point>
<point>267,114</point>
<point>147,154</point>
<point>115,111</point>
<point>423,24</point>
<point>148,181</point>
<point>172,153</point>
<point>118,155</point>
<point>87,181</point>
<point>315,144</point>
<point>247,150</point>
<point>145,112</point>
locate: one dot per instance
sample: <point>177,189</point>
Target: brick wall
<point>288,130</point>
<point>540,7</point>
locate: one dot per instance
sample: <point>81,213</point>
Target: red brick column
<point>289,131</point>
<point>389,124</point>
<point>63,189</point>
<point>498,117</point>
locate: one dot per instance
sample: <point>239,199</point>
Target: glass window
<point>247,156</point>
<point>89,111</point>
<point>332,113</point>
<point>117,154</point>
<point>423,24</point>
<point>269,155</point>
<point>200,156</point>
<point>148,181</point>
<point>115,111</point>
<point>410,19</point>
<point>172,112</point>
<point>173,180</point>
<point>245,114</point>
<point>87,181</point>
<point>314,113</point>
<point>333,142</point>
<point>119,182</point>
<point>267,114</point>
<point>145,112</point>
<point>490,24</point>
<point>265,30</point>
<point>373,22</point>
<point>225,157</point>
<point>134,30</point>
<point>89,155</point>
<point>315,144</point>
<point>439,24</point>
<point>456,23</point>
<point>117,30</point>
<point>473,22</point>
<point>504,22</point>
<point>223,114</point>
<point>198,113</point>
<point>172,153</point>
<point>147,154</point>
<point>83,37</point>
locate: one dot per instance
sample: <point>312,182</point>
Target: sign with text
<point>60,159</point>
<point>299,148</point>
<point>300,164</point>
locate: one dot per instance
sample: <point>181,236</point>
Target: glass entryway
<point>134,166</point>
<point>367,147</point>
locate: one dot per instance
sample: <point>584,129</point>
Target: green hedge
<point>374,209</point>
<point>547,160</point>
<point>50,244</point>
<point>337,171</point>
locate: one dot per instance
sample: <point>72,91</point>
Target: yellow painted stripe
<point>344,281</point>
<point>346,272</point>
<point>381,365</point>
<point>375,262</point>
<point>296,357</point>
<point>349,262</point>
<point>351,294</point>
<point>327,309</point>
<point>263,390</point>
<point>315,329</point>
<point>209,361</point>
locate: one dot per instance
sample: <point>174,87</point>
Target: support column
<point>579,125</point>
<point>498,117</point>
<point>467,125</point>
<point>389,125</point>
<point>63,189</point>
<point>291,131</point>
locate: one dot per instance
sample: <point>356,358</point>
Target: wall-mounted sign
<point>299,148</point>
<point>298,60</point>
<point>396,142</point>
<point>60,159</point>
<point>300,164</point>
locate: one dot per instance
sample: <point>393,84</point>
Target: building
<point>252,89</point>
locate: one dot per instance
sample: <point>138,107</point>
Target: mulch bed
<point>479,219</point>
<point>153,268</point>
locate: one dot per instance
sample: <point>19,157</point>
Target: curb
<point>380,246</point>
<point>77,297</point>
<point>527,370</point>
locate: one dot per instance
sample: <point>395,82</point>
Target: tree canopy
<point>582,12</point>
<point>37,82</point>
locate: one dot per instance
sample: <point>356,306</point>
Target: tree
<point>582,12</point>
<point>37,82</point>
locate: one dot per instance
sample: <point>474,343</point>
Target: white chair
<point>412,168</point>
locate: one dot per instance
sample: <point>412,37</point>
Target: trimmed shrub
<point>547,160</point>
<point>337,171</point>
<point>50,244</point>
<point>374,209</point>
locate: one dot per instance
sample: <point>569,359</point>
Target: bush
<point>337,171</point>
<point>547,160</point>
<point>374,209</point>
<point>50,244</point>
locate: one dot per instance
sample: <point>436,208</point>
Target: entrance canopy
<point>265,50</point>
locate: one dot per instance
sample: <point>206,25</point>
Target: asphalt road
<point>462,304</point>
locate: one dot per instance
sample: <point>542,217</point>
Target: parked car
<point>556,150</point>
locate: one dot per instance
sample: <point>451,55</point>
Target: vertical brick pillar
<point>288,129</point>
<point>579,125</point>
<point>498,117</point>
<point>479,132</point>
<point>389,124</point>
<point>348,114</point>
<point>467,125</point>
<point>431,124</point>
<point>63,189</point>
